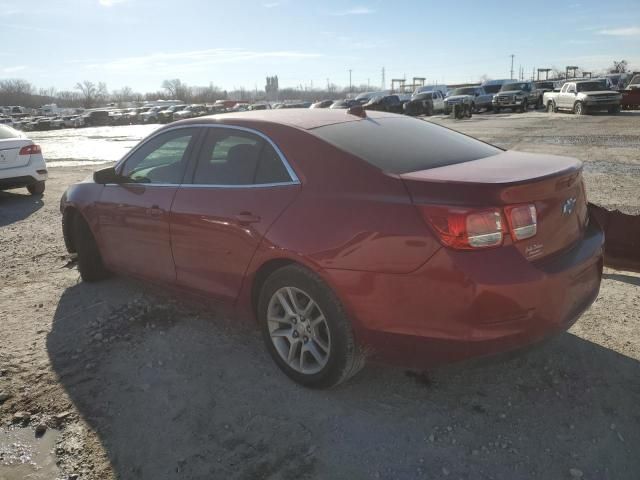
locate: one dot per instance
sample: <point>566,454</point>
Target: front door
<point>239,186</point>
<point>133,216</point>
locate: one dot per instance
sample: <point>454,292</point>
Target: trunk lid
<point>10,153</point>
<point>553,184</point>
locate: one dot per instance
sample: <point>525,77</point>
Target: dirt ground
<point>137,384</point>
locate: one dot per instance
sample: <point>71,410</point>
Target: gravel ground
<point>135,384</point>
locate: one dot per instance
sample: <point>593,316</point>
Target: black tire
<point>36,188</point>
<point>551,107</point>
<point>473,108</point>
<point>614,110</point>
<point>90,263</point>
<point>345,358</point>
<point>524,107</point>
<point>539,104</point>
<point>579,109</point>
<point>496,109</point>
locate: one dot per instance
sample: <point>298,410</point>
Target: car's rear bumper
<point>469,304</point>
<point>33,172</point>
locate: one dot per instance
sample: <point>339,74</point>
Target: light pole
<point>350,87</point>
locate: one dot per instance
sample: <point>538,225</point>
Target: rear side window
<point>401,145</point>
<point>8,132</point>
<point>232,157</point>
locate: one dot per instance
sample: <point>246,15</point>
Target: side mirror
<point>106,175</point>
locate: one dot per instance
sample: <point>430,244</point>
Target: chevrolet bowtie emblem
<point>568,206</point>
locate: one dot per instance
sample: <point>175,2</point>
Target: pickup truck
<point>475,97</point>
<point>517,96</point>
<point>581,97</point>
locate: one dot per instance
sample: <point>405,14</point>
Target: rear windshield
<point>401,145</point>
<point>8,132</point>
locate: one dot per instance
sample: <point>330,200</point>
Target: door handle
<point>155,211</point>
<point>246,218</point>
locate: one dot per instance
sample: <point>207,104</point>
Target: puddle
<point>25,457</point>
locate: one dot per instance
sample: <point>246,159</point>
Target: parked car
<point>259,106</point>
<point>386,103</point>
<point>425,103</point>
<point>322,104</point>
<point>441,247</point>
<point>21,162</point>
<point>464,96</point>
<point>69,121</point>
<point>344,104</point>
<point>191,111</point>
<point>545,86</point>
<point>166,116</point>
<point>518,96</point>
<point>96,118</point>
<point>432,88</point>
<point>493,86</point>
<point>152,115</point>
<point>365,97</point>
<point>582,97</point>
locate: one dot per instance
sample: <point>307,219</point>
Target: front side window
<point>232,157</point>
<point>163,159</point>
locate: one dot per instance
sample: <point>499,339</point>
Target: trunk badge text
<point>568,206</point>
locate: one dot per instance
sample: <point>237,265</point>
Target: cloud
<point>354,11</point>
<point>271,4</point>
<point>621,32</point>
<point>196,60</point>
<point>110,3</point>
<point>17,68</point>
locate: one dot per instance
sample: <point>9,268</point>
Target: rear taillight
<point>464,229</point>
<point>30,150</point>
<point>470,229</point>
<point>523,221</point>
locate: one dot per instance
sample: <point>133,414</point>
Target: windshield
<point>463,91</point>
<point>511,87</point>
<point>492,88</point>
<point>545,85</point>
<point>592,86</point>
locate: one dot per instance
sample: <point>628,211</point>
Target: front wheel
<point>524,107</point>
<point>36,188</point>
<point>551,108</point>
<point>496,109</point>
<point>90,263</point>
<point>306,329</point>
<point>615,109</point>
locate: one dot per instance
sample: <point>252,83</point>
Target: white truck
<point>582,97</point>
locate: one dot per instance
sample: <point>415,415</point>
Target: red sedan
<point>348,234</point>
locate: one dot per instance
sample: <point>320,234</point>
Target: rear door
<point>240,185</point>
<point>133,216</point>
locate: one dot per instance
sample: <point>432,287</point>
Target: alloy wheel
<point>299,330</point>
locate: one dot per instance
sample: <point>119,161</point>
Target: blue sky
<point>56,43</point>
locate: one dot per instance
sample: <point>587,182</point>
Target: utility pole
<point>383,80</point>
<point>328,85</point>
<point>368,84</point>
<point>350,86</point>
<point>512,57</point>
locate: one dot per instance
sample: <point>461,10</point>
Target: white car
<point>21,162</point>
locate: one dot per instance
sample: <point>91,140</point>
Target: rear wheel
<point>36,188</point>
<point>615,109</point>
<point>579,109</point>
<point>306,329</point>
<point>90,263</point>
<point>496,109</point>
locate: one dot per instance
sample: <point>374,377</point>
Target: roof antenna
<point>358,111</point>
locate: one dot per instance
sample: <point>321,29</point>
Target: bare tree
<point>16,92</point>
<point>619,67</point>
<point>88,91</point>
